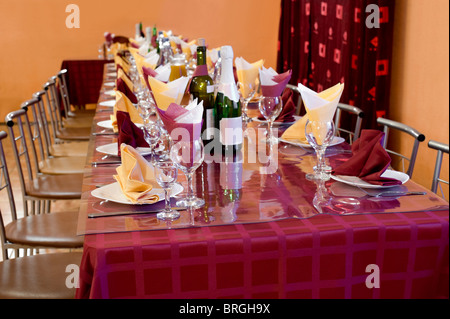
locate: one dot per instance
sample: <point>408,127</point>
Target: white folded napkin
<point>163,73</point>
<point>321,106</point>
<point>167,93</point>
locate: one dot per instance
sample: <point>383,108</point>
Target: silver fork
<point>391,193</point>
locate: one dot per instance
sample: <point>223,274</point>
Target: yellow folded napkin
<point>124,104</point>
<point>117,46</point>
<point>167,93</point>
<point>136,177</point>
<point>319,107</point>
<point>119,61</point>
<point>296,132</point>
<point>247,73</point>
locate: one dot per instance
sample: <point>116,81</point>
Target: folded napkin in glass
<point>319,107</point>
<point>183,123</point>
<point>288,111</point>
<point>272,83</point>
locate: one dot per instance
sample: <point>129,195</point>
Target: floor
<point>57,206</point>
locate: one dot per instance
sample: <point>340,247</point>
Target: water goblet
<point>319,135</point>
<point>166,175</point>
<point>188,155</point>
<point>152,133</point>
<point>247,92</point>
<point>270,108</point>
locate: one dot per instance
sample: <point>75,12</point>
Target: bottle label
<point>209,131</point>
<point>231,131</point>
<point>210,89</point>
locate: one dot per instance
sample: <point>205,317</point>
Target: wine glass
<point>152,133</point>
<point>166,175</point>
<point>319,135</point>
<point>270,108</point>
<point>188,155</point>
<point>164,145</point>
<point>247,92</point>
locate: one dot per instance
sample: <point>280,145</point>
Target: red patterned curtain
<point>329,41</point>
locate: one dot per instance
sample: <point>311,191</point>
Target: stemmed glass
<point>152,134</point>
<point>166,175</point>
<point>188,155</point>
<point>247,92</point>
<point>319,135</point>
<point>270,108</point>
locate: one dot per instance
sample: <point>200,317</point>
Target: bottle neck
<point>201,55</point>
<point>227,75</point>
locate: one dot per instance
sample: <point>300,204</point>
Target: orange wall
<point>35,40</point>
<point>420,77</point>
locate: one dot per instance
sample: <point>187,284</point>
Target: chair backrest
<point>53,106</point>
<point>48,137</point>
<point>353,111</point>
<point>418,138</point>
<point>24,150</point>
<point>63,90</point>
<point>436,181</point>
<point>5,186</point>
<point>297,98</point>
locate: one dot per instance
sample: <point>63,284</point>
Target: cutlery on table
<point>391,193</point>
<point>109,214</point>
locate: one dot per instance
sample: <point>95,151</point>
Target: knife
<point>106,162</point>
<point>104,133</point>
<point>109,214</point>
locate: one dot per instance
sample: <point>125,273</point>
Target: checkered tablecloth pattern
<point>324,256</point>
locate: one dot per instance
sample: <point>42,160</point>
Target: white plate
<point>111,74</point>
<point>108,124</point>
<point>296,117</point>
<point>111,92</point>
<point>113,193</point>
<point>110,84</point>
<point>109,103</point>
<point>336,141</point>
<point>356,181</point>
<point>112,149</point>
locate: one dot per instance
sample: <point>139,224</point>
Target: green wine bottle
<point>227,107</point>
<point>231,170</point>
<point>202,89</point>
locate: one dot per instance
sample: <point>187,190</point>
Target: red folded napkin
<point>177,130</point>
<point>288,111</point>
<point>276,90</point>
<point>129,133</point>
<point>369,160</point>
<point>123,87</point>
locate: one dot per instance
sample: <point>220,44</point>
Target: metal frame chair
<point>352,110</point>
<point>81,114</point>
<point>37,189</point>
<point>46,163</point>
<point>299,97</point>
<point>60,132</point>
<point>54,230</point>
<point>418,138</point>
<point>441,148</point>
<point>41,276</point>
<point>56,147</point>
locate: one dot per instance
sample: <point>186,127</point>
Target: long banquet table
<point>276,235</point>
